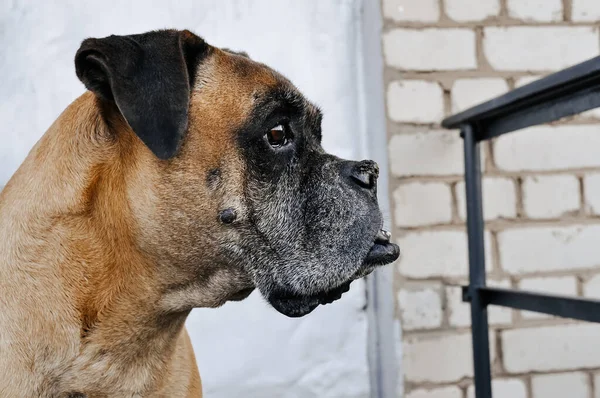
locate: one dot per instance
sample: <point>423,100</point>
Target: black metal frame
<point>565,93</point>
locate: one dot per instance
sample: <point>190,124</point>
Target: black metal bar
<point>568,92</point>
<point>545,97</point>
<point>479,319</point>
<point>546,112</point>
<point>563,306</point>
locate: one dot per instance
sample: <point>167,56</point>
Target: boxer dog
<point>185,177</point>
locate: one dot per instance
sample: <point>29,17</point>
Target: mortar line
<point>504,8</point>
<point>567,10</point>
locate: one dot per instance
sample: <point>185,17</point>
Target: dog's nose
<point>365,173</point>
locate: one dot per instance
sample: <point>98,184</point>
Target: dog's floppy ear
<point>148,77</point>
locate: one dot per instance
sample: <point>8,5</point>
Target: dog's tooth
<point>383,235</point>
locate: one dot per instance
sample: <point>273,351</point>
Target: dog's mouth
<point>296,305</point>
<point>383,251</point>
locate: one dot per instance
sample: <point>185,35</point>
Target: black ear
<point>148,77</point>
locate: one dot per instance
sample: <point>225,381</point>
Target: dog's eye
<point>279,136</point>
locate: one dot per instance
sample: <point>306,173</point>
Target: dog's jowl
<point>185,177</point>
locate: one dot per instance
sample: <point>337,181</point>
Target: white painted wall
<point>243,349</point>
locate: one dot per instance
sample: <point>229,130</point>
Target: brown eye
<point>279,136</point>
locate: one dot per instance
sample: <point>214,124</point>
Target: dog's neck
<point>65,215</point>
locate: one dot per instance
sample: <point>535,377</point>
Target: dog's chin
<point>296,305</point>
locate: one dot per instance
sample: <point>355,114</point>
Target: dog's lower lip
<point>294,305</point>
<point>335,294</point>
<point>382,252</point>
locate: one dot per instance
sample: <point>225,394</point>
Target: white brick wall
<point>470,92</point>
<point>403,10</point>
<point>560,385</point>
<point>472,10</point>
<point>420,308</point>
<point>586,10</point>
<point>504,388</point>
<point>559,285</point>
<point>427,153</point>
<point>499,198</point>
<point>591,287</point>
<point>545,249</point>
<point>523,48</point>
<point>548,148</point>
<point>592,192</point>
<point>430,49</point>
<point>436,254</point>
<point>541,192</point>
<point>423,361</point>
<point>551,348</point>
<point>536,10</point>
<point>444,392</point>
<point>415,101</point>
<point>597,383</point>
<point>421,261</point>
<point>419,204</point>
<point>550,196</point>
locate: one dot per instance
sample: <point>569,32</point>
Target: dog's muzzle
<point>296,305</point>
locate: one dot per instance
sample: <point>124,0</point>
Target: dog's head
<point>231,188</point>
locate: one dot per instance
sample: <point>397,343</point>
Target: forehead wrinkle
<point>227,84</point>
<point>282,95</point>
<point>236,70</point>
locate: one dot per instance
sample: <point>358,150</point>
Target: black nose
<point>364,173</point>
